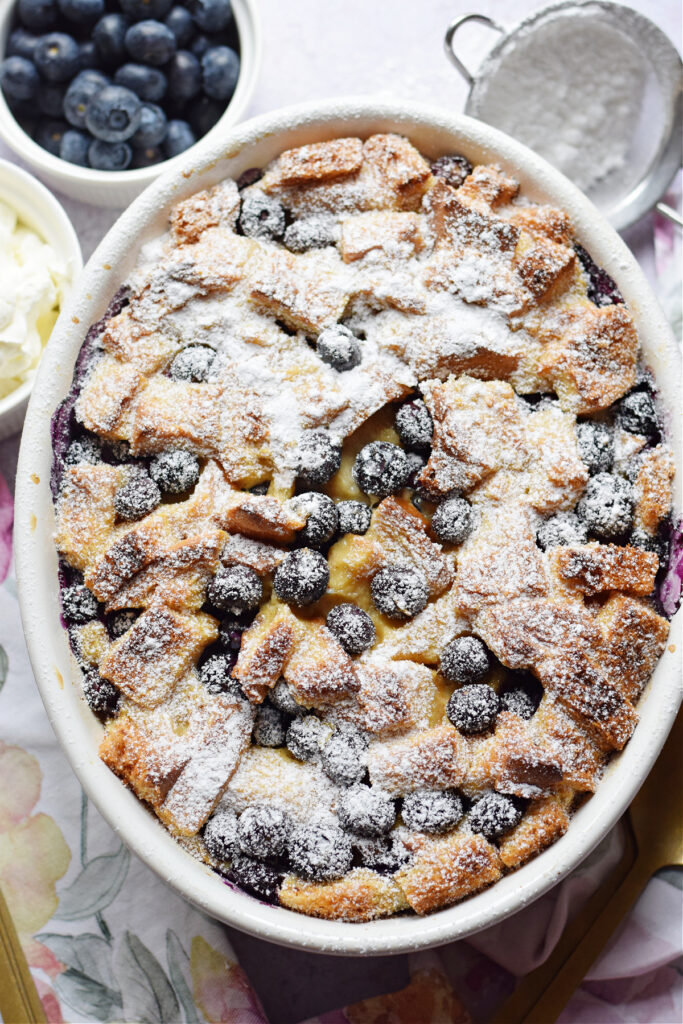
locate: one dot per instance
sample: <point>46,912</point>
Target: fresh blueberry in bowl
<point>212,15</point>
<point>149,84</point>
<point>38,15</point>
<point>19,78</point>
<point>82,90</point>
<point>150,42</point>
<point>152,128</point>
<point>113,114</point>
<point>57,57</point>
<point>74,147</point>
<point>184,75</point>
<point>179,137</point>
<point>49,135</point>
<point>84,12</point>
<point>21,43</point>
<point>181,24</point>
<point>220,71</point>
<point>137,10</point>
<point>109,36</point>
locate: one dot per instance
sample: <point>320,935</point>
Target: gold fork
<point>654,841</point>
<point>19,1001</point>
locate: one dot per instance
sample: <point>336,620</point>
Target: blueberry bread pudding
<point>362,506</point>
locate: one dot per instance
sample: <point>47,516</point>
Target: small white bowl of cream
<point>40,258</point>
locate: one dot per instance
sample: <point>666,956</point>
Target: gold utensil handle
<point>19,1002</point>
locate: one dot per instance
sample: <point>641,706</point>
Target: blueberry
<point>150,42</point>
<point>596,446</point>
<point>365,811</point>
<point>354,517</point>
<point>38,15</point>
<point>473,708</point>
<point>302,577</point>
<point>465,660</point>
<point>50,99</point>
<point>270,727</point>
<point>399,591</point>
<point>180,22</point>
<point>339,348</point>
<point>109,156</point>
<point>74,147</point>
<point>220,71</point>
<point>113,114</point>
<point>431,810</point>
<point>21,44</point>
<point>19,78</point>
<point>212,15</point>
<point>149,84</point>
<point>453,520</point>
<point>255,876</point>
<point>414,426</point>
<point>204,114</point>
<point>88,57</point>
<point>102,696</point>
<point>282,697</point>
<point>235,589</point>
<point>179,137</point>
<point>174,471</point>
<point>381,468</point>
<point>636,413</point>
<point>200,44</point>
<point>57,57</point>
<point>80,92</point>
<point>562,528</point>
<point>606,507</point>
<point>416,463</point>
<point>49,135</point>
<point>85,12</point>
<point>314,232</point>
<point>138,10</point>
<point>78,604</point>
<point>147,157</point>
<point>220,834</point>
<point>121,622</point>
<point>305,737</point>
<point>230,633</point>
<point>352,627</point>
<point>184,76</point>
<point>343,756</point>
<point>138,497</point>
<point>601,288</point>
<point>193,364</point>
<point>452,169</point>
<point>318,457</point>
<point>109,36</point>
<point>319,853</point>
<point>262,831</point>
<point>385,853</point>
<point>493,815</point>
<point>521,695</point>
<point>262,216</point>
<point>216,675</point>
<point>84,449</point>
<point>322,518</point>
<point>657,545</point>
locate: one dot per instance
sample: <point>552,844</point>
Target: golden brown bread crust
<point>361,895</point>
<point>446,869</point>
<point>544,822</point>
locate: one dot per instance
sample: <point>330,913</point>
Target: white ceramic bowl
<point>38,209</point>
<point>119,188</point>
<point>254,144</point>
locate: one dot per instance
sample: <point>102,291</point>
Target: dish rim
<point>54,667</point>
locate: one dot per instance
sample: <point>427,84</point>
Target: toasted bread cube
<point>448,868</point>
<point>544,822</point>
<point>265,518</point>
<point>556,476</point>
<point>499,561</point>
<point>546,269</point>
<point>258,555</point>
<point>381,229</point>
<point>593,362</point>
<point>150,658</point>
<point>85,512</point>
<point>596,568</point>
<point>394,698</point>
<point>522,766</point>
<point>488,185</point>
<point>319,670</point>
<point>91,641</point>
<point>634,637</point>
<point>107,397</point>
<point>274,777</point>
<point>214,207</point>
<point>147,758</point>
<point>423,638</point>
<point>457,225</point>
<point>157,426</point>
<point>580,755</point>
<point>433,759</point>
<point>297,290</point>
<point>400,169</point>
<point>521,633</point>
<point>131,341</point>
<point>202,780</point>
<point>317,162</point>
<point>361,895</point>
<point>653,487</point>
<point>587,693</point>
<point>402,534</point>
<point>132,551</point>
<point>215,263</point>
<point>265,648</point>
<point>478,429</point>
<point>542,222</point>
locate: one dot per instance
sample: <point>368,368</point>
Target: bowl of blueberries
<point>99,97</point>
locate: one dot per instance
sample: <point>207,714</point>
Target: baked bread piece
<point>361,623</point>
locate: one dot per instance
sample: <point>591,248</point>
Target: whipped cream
<point>32,281</point>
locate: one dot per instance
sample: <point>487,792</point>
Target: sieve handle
<point>450,33</point>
